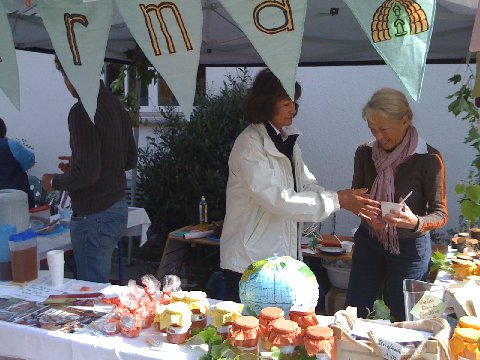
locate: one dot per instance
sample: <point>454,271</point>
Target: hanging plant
<point>463,105</point>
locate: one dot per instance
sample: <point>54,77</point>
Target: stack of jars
<point>224,315</point>
<point>464,341</point>
<point>266,318</point>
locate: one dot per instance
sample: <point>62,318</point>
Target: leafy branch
<point>463,105</point>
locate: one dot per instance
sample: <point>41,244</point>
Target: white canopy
<point>332,34</point>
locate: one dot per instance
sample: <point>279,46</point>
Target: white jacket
<point>262,207</point>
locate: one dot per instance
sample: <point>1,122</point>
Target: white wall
<point>329,119</point>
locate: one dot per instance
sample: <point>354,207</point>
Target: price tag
<point>428,307</point>
<point>390,350</point>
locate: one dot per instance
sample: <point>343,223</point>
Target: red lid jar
<point>285,334</point>
<point>244,335</point>
<point>319,340</point>
<point>267,316</point>
<point>303,316</point>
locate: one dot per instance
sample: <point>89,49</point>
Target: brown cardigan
<point>422,173</point>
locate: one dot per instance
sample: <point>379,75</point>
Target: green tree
<point>184,160</point>
<point>463,105</point>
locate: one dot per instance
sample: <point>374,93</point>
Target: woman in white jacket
<point>270,190</point>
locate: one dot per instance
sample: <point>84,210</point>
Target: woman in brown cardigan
<point>396,246</point>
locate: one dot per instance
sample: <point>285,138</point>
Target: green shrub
<point>187,159</point>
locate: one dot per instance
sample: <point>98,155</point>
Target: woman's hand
<point>358,202</point>
<point>404,219</point>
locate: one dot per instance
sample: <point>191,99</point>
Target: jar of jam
<point>198,303</point>
<point>267,316</point>
<point>304,316</point>
<point>224,314</point>
<point>177,334</point>
<point>244,335</point>
<point>472,322</point>
<point>319,341</point>
<point>285,334</point>
<point>176,318</point>
<point>464,343</point>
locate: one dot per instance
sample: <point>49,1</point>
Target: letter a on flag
<point>8,61</point>
<point>170,35</point>
<point>275,29</point>
<point>400,31</point>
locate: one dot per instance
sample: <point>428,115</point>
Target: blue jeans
<point>373,267</point>
<point>94,238</point>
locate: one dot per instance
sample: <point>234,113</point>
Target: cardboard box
<point>335,300</point>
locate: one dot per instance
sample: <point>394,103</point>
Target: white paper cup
<point>56,262</point>
<point>56,275</point>
<point>387,206</point>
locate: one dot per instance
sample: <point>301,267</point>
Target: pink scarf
<point>383,188</point>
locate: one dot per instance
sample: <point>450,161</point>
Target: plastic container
<point>244,335</point>
<point>14,208</point>
<point>6,231</point>
<point>23,255</point>
<point>413,292</point>
<point>267,316</point>
<point>338,276</point>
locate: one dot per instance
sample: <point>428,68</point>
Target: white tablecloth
<point>25,342</point>
<point>138,224</point>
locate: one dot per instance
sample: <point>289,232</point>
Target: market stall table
<point>25,342</point>
<point>137,225</point>
<point>177,245</point>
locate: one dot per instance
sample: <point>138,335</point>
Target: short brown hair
<point>262,97</point>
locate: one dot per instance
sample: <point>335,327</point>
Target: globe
<point>279,281</point>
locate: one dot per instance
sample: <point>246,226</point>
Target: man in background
<point>94,176</point>
<point>15,160</point>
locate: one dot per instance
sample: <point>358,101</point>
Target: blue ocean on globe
<point>279,281</point>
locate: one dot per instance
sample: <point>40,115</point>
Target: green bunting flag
<point>400,31</point>
<point>170,35</point>
<point>79,32</point>
<point>276,32</point>
<point>8,61</point>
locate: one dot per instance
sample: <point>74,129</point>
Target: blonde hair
<point>389,102</point>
